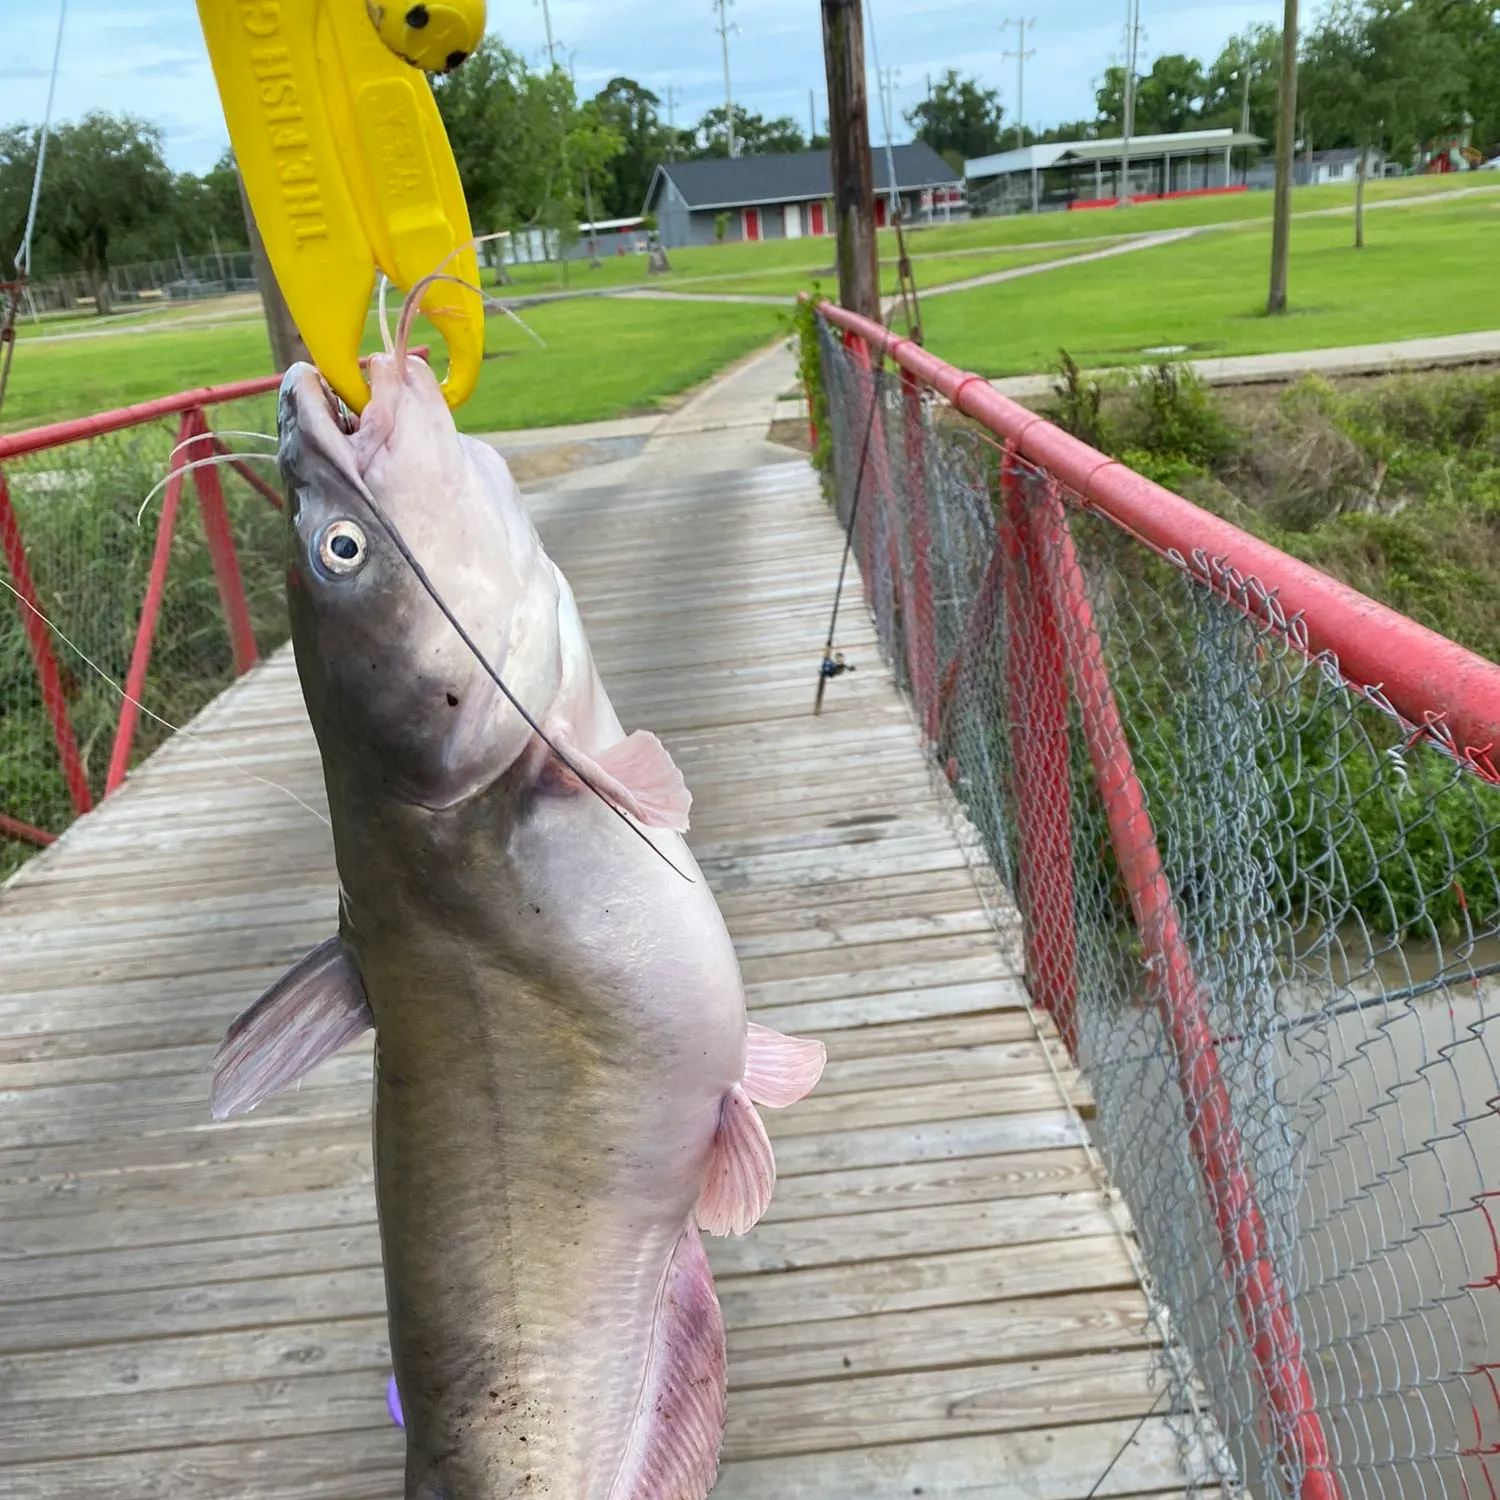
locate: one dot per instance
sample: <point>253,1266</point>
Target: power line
<point>1020,54</point>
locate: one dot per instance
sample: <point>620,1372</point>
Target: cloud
<point>151,57</point>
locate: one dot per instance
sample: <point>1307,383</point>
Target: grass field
<point>604,358</point>
<point>1424,271</point>
<point>697,264</point>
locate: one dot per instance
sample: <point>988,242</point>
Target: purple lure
<point>393,1403</point>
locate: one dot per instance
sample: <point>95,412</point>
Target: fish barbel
<point>565,1078</point>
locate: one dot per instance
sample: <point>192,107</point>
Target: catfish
<point>565,1078</point>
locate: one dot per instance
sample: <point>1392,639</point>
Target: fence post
<point>140,656</point>
<point>865,426</point>
<point>220,538</point>
<point>1267,1319</point>
<point>39,640</point>
<point>1038,731</point>
<point>921,636</point>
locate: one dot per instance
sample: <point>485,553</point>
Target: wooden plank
<point>1059,1463</point>
<point>976,1333</point>
<point>913,1406</point>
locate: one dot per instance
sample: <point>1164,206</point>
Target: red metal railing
<point>1052,641</point>
<point>195,440</point>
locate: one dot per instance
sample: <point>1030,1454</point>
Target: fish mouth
<point>316,428</point>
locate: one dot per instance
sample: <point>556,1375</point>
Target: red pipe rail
<point>1427,678</point>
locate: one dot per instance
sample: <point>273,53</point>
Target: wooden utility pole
<point>1359,200</point>
<point>849,139</point>
<point>1286,142</point>
<point>287,347</point>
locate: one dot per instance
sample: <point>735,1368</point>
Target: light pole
<point>551,46</point>
<point>1132,39</point>
<point>728,91</point>
<point>588,194</point>
<point>1020,54</point>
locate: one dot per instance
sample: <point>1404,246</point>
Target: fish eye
<point>342,548</point>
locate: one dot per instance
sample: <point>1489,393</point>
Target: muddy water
<point>1373,1137</point>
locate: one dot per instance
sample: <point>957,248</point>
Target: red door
<point>818,224</point>
<point>880,211</point>
<point>752,223</point>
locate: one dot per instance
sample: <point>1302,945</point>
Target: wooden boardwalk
<point>939,1302</point>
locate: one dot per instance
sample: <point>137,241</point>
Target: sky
<point>148,58</point>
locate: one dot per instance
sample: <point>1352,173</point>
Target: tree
<point>959,117</point>
<point>1167,99</point>
<point>105,177</point>
<point>1389,67</point>
<point>1255,54</point>
<point>754,135</point>
<point>483,105</point>
<point>631,113</point>
<point>17,163</point>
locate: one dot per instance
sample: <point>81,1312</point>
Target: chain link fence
<point>171,607</point>
<point>1261,903</point>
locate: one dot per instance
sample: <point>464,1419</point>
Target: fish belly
<point>535,1182</point>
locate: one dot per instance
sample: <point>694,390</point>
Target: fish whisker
<point>219,433</point>
<point>490,302</point>
<point>216,460</point>
<point>409,308</point>
<point>385,315</point>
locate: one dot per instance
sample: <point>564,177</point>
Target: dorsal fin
<point>679,1425</point>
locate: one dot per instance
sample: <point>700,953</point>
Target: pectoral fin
<point>637,775</point>
<point>780,1070</point>
<point>317,1007</point>
<point>741,1170</point>
<point>679,1425</point>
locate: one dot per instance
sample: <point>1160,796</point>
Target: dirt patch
<point>531,465</point>
<point>791,433</point>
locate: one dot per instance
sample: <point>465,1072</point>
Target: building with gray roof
<point>790,195</point>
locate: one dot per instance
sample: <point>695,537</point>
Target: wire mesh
<point>1264,912</point>
<point>74,513</point>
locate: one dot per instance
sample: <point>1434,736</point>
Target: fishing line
<point>187,734</point>
<point>829,666</point>
<point>1135,1432</point>
<point>420,573</point>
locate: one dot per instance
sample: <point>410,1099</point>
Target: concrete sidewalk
<point>723,426</point>
<point>1449,351</point>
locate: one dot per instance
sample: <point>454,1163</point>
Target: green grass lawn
<point>1424,271</point>
<point>604,358</point>
<point>721,267</point>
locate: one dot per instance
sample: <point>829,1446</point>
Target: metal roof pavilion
<point>1069,153</point>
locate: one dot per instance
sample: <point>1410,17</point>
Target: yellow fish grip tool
<point>348,168</point>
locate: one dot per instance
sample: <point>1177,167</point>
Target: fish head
<point>376,504</point>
